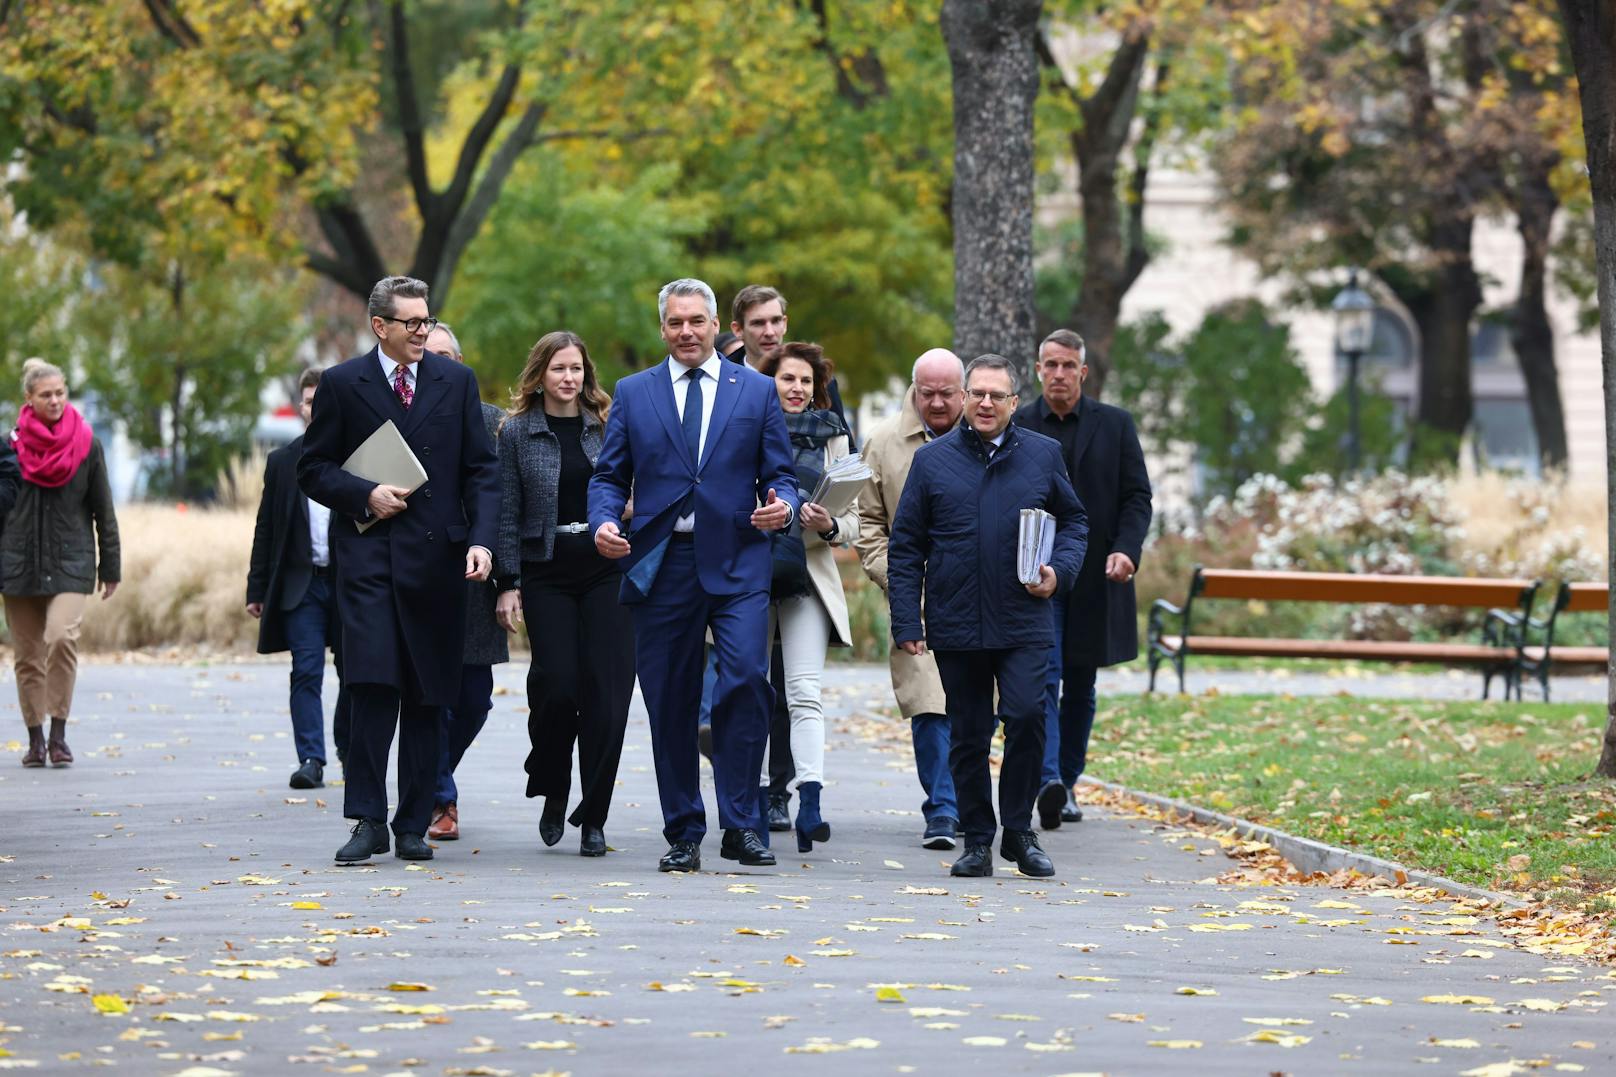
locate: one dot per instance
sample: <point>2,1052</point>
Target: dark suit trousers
<point>668,630</point>
<point>376,711</point>
<point>580,683</point>
<point>968,680</point>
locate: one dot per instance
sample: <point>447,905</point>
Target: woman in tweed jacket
<point>581,677</point>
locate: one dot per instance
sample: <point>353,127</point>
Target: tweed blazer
<point>529,474</point>
<point>486,642</point>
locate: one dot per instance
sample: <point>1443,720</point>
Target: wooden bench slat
<point>1377,650</point>
<point>1572,656</point>
<point>1588,598</point>
<point>1350,587</point>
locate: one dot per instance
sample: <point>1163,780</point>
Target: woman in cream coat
<point>809,605</point>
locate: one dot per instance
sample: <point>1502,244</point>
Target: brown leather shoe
<point>35,756</point>
<point>60,754</point>
<point>445,823</point>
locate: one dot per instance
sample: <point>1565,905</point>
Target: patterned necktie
<point>401,386</point>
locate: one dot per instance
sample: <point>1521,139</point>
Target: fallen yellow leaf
<point>110,1004</point>
<point>1174,1045</point>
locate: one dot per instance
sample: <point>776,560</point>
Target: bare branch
<point>865,64</point>
<point>470,219</point>
<point>580,134</point>
<point>477,139</point>
<point>1138,255</point>
<point>409,109</point>
<point>171,24</point>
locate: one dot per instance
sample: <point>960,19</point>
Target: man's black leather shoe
<point>1071,813</point>
<point>974,863</point>
<point>1051,799</point>
<point>1022,847</point>
<point>747,847</point>
<point>413,847</point>
<point>780,812</point>
<point>592,841</point>
<point>940,833</point>
<point>553,821</point>
<point>681,856</point>
<point>369,838</point>
<point>311,775</point>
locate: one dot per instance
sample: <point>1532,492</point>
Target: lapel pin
<point>732,381</point>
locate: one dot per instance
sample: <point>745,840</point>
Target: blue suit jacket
<point>643,455</point>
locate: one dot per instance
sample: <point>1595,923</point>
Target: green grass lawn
<point>1492,794</point>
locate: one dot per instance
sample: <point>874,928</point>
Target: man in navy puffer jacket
<point>954,540</point>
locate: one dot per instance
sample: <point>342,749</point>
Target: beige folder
<point>385,458</point>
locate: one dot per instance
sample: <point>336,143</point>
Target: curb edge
<point>1308,855</point>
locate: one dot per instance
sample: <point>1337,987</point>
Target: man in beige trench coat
<point>931,408</point>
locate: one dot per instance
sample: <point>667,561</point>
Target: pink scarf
<point>50,455</point>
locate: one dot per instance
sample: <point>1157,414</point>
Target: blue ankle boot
<point>810,827</point>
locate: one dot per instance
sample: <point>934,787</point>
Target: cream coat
<point>889,451</point>
<point>822,570</point>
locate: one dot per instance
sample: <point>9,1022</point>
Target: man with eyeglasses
<point>401,598</point>
<point>954,548</point>
<point>1097,623</point>
<point>931,408</point>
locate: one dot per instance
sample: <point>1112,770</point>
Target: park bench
<point>1536,634</point>
<point>1170,636</point>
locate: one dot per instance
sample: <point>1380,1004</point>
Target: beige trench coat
<point>889,451</point>
<point>822,571</point>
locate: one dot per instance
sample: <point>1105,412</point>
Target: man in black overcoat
<point>1097,623</point>
<point>401,595</point>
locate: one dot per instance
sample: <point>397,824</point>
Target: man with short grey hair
<point>486,647</point>
<point>954,553</point>
<point>931,408</point>
<point>1097,623</point>
<point>701,445</point>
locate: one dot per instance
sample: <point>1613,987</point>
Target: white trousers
<point>804,638</point>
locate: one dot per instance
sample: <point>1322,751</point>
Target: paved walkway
<point>172,873</point>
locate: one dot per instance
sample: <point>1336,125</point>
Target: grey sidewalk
<point>539,959</point>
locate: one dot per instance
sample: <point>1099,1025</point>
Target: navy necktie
<point>692,419</point>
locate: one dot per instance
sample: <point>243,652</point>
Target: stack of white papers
<point>840,484</point>
<point>1037,544</point>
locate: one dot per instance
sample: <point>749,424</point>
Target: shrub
<point>1392,524</point>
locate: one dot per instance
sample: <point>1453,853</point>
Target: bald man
<point>931,408</point>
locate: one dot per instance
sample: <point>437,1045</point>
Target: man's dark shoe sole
<point>694,865</point>
<point>413,851</point>
<point>983,872</point>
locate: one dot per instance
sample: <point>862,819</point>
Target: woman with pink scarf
<point>48,563</point>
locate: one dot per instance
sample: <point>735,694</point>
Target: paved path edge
<point>1306,854</point>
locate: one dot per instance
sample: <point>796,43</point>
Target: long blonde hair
<point>525,396</point>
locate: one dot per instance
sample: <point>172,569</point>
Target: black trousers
<point>968,680</point>
<point>782,768</point>
<point>579,686</point>
<point>375,710</point>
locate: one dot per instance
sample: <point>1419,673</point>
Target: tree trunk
<point>1531,333</point>
<point>992,52</point>
<point>1591,28</point>
<point>1443,312</point>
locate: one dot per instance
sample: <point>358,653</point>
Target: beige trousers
<point>45,635</point>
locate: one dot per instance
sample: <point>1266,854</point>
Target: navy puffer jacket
<point>954,538</point>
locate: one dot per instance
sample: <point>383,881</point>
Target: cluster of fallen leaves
<point>1536,927</point>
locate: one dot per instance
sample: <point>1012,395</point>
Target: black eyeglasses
<point>994,395</point>
<point>412,325</point>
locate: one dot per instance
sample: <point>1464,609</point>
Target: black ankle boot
<point>810,827</point>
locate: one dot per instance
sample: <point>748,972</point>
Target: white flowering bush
<point>1390,524</point>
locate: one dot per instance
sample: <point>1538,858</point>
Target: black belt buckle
<point>682,536</point>
<point>321,571</point>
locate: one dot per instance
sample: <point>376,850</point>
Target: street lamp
<point>1354,328</point>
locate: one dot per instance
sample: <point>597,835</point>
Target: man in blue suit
<point>401,595</point>
<point>702,446</point>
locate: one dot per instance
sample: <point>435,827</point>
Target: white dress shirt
<point>710,368</point>
<point>388,368</point>
<point>319,533</point>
